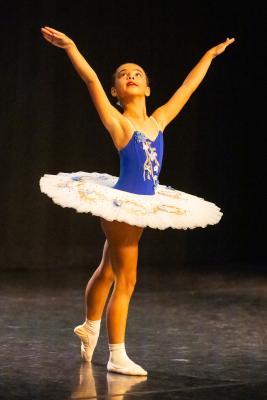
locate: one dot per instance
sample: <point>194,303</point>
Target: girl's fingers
<point>47,36</point>
<point>48,31</point>
<point>48,39</point>
<point>51,29</point>
<point>51,35</point>
<point>229,41</point>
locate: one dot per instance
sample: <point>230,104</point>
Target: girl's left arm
<point>168,111</point>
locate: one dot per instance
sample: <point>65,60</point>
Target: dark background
<point>213,149</point>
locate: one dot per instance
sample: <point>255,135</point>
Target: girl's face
<point>130,79</point>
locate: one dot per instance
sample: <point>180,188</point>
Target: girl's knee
<point>105,272</point>
<point>126,283</point>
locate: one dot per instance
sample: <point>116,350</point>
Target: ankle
<point>92,325</point>
<point>117,352</point>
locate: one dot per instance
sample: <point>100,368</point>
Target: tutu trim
<point>94,193</point>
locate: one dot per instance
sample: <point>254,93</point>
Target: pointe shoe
<point>87,347</point>
<point>130,370</point>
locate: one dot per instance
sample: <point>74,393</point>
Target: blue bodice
<point>140,164</point>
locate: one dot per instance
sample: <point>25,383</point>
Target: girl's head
<point>129,80</point>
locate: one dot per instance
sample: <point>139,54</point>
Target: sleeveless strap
<point>156,122</point>
<point>130,123</point>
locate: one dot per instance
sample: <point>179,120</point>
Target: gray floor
<point>199,334</point>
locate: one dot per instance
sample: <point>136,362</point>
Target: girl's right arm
<point>109,115</point>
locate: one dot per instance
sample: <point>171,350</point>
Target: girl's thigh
<point>122,242</point>
<point>120,233</point>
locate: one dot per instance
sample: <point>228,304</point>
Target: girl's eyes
<point>137,73</point>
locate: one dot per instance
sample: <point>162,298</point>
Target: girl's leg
<point>98,287</point>
<point>96,294</point>
<point>123,242</point>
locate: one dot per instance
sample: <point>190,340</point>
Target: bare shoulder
<point>158,116</point>
<point>119,129</point>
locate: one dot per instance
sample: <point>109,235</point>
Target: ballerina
<point>126,204</point>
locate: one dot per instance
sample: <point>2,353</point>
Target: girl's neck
<point>136,110</point>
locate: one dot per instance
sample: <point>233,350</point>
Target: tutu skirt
<point>94,193</point>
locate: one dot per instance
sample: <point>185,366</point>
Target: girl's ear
<point>113,91</point>
<point>147,92</point>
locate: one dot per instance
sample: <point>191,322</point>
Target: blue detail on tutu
<point>76,178</point>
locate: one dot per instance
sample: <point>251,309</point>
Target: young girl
<point>135,200</point>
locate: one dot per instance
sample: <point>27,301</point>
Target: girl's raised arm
<point>166,113</point>
<point>109,115</point>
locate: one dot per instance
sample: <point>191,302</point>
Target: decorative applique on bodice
<point>140,164</point>
<point>151,164</point>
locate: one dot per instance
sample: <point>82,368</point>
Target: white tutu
<point>93,193</point>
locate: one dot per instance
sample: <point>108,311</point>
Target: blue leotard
<point>140,163</point>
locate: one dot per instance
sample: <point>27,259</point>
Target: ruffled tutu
<point>93,193</point>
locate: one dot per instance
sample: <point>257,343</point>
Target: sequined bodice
<point>140,164</point>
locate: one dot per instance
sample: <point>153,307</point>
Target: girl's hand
<point>216,50</point>
<point>57,38</point>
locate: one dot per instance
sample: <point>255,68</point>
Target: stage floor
<point>199,334</point>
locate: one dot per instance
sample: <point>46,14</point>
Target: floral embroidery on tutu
<point>150,170</point>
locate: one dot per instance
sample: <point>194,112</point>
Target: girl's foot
<point>120,363</point>
<point>88,333</point>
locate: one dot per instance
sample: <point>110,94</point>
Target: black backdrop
<point>213,149</point>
